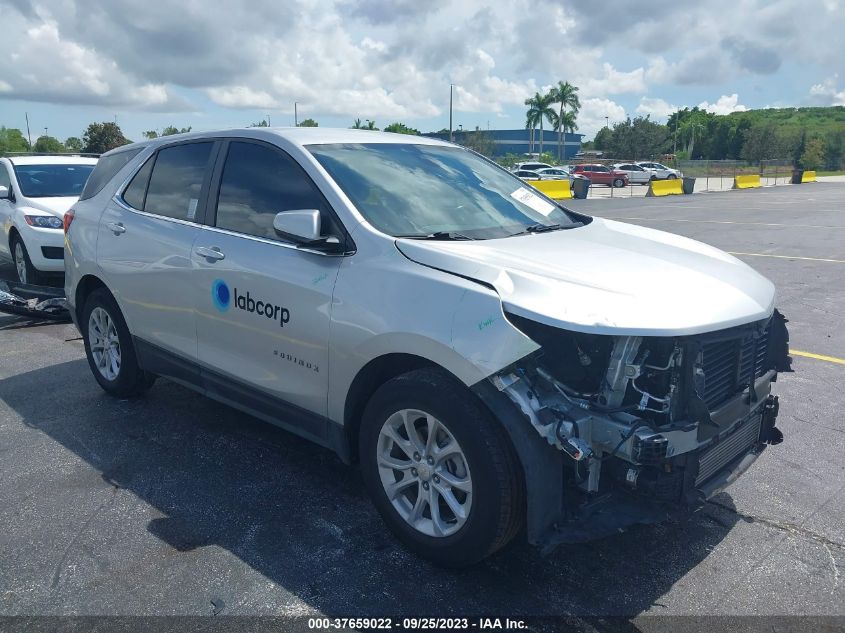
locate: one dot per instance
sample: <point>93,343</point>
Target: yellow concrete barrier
<point>555,189</point>
<point>748,181</point>
<point>808,176</point>
<point>667,187</point>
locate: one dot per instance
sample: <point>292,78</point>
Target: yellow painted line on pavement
<point>800,226</point>
<point>810,259</point>
<point>829,359</point>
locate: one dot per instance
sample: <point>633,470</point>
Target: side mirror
<point>4,193</point>
<point>303,227</point>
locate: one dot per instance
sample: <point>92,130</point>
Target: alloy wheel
<point>20,262</point>
<point>104,343</point>
<point>424,472</point>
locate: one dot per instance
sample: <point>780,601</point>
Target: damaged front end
<point>642,425</point>
<point>40,302</point>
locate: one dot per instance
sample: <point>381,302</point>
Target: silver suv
<point>491,359</point>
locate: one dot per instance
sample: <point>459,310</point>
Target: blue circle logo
<point>220,295</point>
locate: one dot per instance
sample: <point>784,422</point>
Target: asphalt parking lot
<point>174,504</point>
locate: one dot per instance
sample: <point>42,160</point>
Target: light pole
<point>295,116</point>
<point>451,136</point>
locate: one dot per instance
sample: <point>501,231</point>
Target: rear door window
<point>176,182</point>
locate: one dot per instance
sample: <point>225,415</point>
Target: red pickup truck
<point>601,175</point>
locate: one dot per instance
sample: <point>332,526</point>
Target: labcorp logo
<point>220,295</point>
<point>223,299</point>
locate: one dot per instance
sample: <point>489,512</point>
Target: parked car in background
<point>660,171</point>
<point>35,192</point>
<point>559,173</point>
<point>533,166</point>
<point>636,174</point>
<point>602,175</point>
<point>527,174</point>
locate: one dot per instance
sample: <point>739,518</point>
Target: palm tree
<point>567,123</point>
<point>566,95</point>
<point>532,120</point>
<point>540,108</point>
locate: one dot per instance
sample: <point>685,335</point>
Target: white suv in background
<point>35,192</point>
<point>660,171</point>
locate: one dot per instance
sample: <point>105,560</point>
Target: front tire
<point>27,273</point>
<point>618,183</point>
<point>441,472</point>
<point>672,177</point>
<point>109,348</point>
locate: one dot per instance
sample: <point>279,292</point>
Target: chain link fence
<point>710,175</point>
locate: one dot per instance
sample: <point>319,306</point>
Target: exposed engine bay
<point>673,419</point>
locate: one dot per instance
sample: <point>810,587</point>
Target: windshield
<point>419,190</point>
<point>52,181</point>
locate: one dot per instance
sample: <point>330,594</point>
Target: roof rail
<point>72,154</point>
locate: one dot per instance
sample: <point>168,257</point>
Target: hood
<point>53,206</point>
<point>609,278</point>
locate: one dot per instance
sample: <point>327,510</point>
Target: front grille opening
<point>731,364</point>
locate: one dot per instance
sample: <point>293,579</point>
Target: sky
<point>213,64</point>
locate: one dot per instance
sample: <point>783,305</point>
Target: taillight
<point>68,219</point>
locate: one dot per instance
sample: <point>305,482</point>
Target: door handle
<point>212,254</point>
<point>116,227</point>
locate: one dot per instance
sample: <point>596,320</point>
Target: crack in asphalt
<point>791,528</point>
<point>60,566</point>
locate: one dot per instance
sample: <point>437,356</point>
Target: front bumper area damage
<point>632,428</point>
<point>41,302</point>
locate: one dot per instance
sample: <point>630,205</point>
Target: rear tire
<point>470,458</point>
<point>27,273</point>
<point>109,347</point>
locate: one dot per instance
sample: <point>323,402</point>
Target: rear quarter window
<point>105,170</point>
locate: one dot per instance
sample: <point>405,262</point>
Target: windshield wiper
<point>545,228</point>
<point>439,235</point>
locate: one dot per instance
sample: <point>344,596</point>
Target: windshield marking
<point>534,201</point>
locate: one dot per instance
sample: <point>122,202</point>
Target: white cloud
<point>593,112</point>
<point>610,81</point>
<point>724,105</point>
<point>827,93</point>
<point>658,109</point>
<point>396,58</point>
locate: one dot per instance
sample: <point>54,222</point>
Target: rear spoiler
<point>40,302</point>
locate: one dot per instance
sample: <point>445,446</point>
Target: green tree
<point>12,140</point>
<point>261,123</point>
<point>834,151</point>
<point>637,138</point>
<point>102,137</point>
<point>761,142</point>
<point>171,130</point>
<point>539,109</point>
<point>566,96</point>
<point>308,123</point>
<point>603,139</point>
<point>479,141</point>
<point>813,156</point>
<point>369,125</point>
<point>73,144</point>
<point>48,145</point>
<point>401,128</point>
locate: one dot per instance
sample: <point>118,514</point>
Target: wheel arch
<point>369,378</point>
<point>86,285</point>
